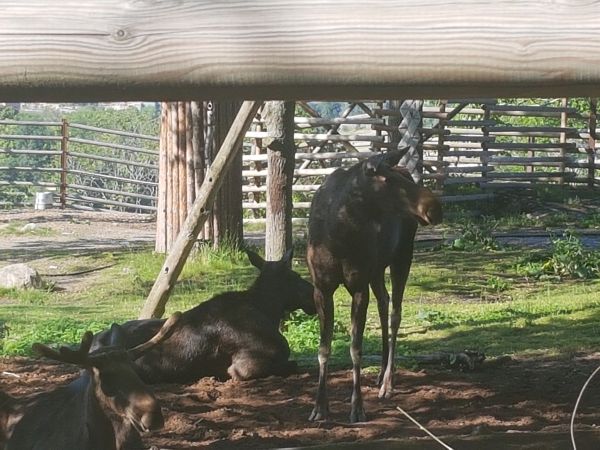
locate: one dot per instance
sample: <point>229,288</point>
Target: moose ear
<point>117,335</point>
<point>287,257</point>
<point>372,164</point>
<point>393,157</point>
<point>255,259</point>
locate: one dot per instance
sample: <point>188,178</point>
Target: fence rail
<point>470,149</point>
<point>80,165</point>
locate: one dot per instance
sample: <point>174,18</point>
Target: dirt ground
<point>525,403</point>
<point>522,403</point>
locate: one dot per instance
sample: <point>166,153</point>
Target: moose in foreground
<point>104,409</point>
<point>10,414</point>
<point>362,220</point>
<point>233,335</point>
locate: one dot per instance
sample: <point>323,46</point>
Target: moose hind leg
<point>360,302</point>
<point>383,302</point>
<point>324,305</point>
<point>248,365</point>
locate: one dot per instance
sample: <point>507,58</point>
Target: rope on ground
<point>577,405</point>
<point>424,429</point>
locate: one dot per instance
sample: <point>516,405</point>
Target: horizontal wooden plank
<point>103,201</point>
<point>114,132</point>
<point>282,49</point>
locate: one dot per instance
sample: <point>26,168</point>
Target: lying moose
<point>104,409</point>
<point>233,335</point>
<point>362,220</point>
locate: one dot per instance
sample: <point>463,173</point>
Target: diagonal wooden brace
<point>157,299</point>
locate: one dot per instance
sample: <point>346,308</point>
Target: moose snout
<point>153,419</point>
<point>147,413</point>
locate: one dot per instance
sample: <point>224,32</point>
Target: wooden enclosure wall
<point>191,135</point>
<point>471,149</point>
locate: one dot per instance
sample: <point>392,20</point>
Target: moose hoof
<point>318,413</point>
<point>358,415</point>
<point>385,391</point>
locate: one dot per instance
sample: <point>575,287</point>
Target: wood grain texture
<point>282,49</point>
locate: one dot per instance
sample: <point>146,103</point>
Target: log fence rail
<point>471,149</point>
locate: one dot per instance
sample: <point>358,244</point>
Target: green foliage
<point>568,259</point>
<point>142,121</point>
<point>64,330</point>
<point>475,237</point>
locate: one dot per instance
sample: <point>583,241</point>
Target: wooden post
<point>160,245</point>
<point>64,147</point>
<point>231,147</point>
<point>182,207</point>
<point>173,174</point>
<point>410,126</point>
<point>564,120</point>
<point>279,119</point>
<point>189,157</point>
<point>591,148</point>
<point>225,222</point>
<point>441,169</point>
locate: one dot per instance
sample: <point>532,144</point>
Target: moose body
<point>363,219</point>
<point>233,335</point>
<point>105,408</point>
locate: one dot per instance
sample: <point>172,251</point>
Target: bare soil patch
<point>507,404</point>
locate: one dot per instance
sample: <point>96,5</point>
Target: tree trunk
<point>279,120</point>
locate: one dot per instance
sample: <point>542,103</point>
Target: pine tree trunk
<point>279,120</point>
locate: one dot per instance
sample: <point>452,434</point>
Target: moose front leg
<point>399,271</point>
<point>324,306</point>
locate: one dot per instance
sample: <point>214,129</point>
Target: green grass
<point>455,300</point>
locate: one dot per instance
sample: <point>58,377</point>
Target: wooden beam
<point>96,50</point>
<point>157,299</point>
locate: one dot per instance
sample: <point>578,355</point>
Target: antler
<point>162,334</point>
<point>65,354</point>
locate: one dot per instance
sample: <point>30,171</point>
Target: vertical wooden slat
<point>64,148</point>
<point>190,173</point>
<point>182,161</point>
<point>591,144</point>
<point>161,207</point>
<point>564,120</point>
<point>441,169</point>
<point>173,172</point>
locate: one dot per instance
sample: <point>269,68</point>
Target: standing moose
<point>362,220</point>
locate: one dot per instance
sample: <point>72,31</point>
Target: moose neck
<point>267,300</point>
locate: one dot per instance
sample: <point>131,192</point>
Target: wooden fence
<point>83,166</point>
<point>468,150</point>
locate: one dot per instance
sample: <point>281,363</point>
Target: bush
<point>475,237</point>
<point>568,259</point>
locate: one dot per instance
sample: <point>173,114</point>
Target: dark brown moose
<point>232,335</point>
<point>104,409</point>
<point>362,220</point>
<point>11,412</point>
